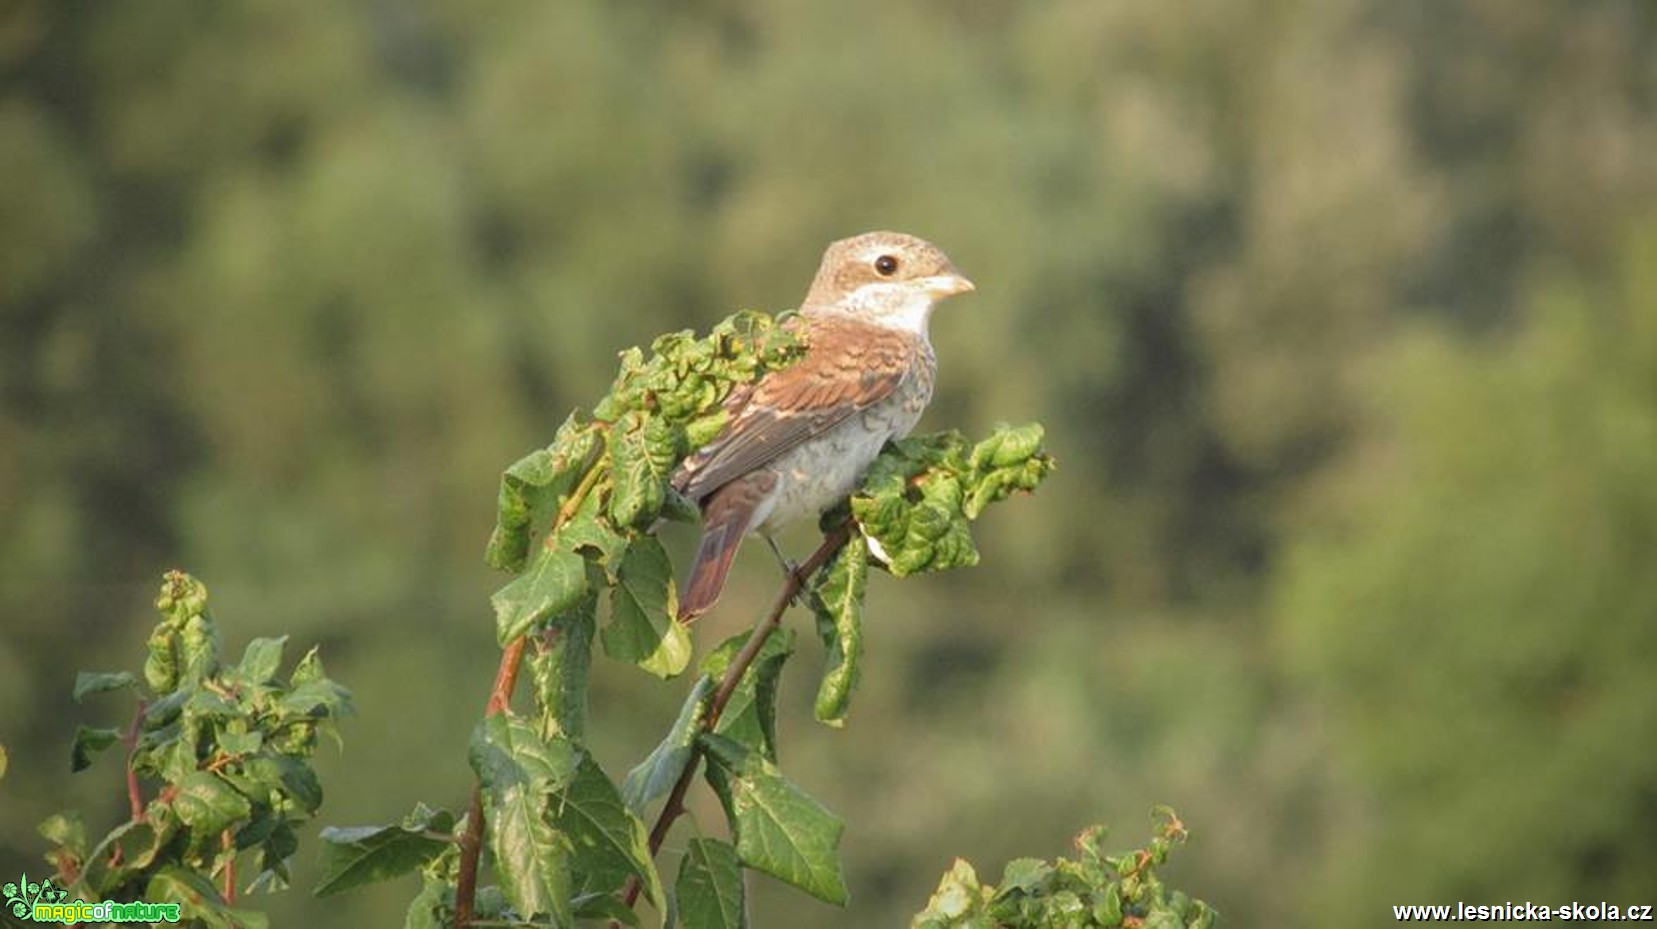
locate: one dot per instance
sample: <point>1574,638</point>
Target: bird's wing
<point>848,366</point>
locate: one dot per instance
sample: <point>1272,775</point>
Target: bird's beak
<point>947,285</point>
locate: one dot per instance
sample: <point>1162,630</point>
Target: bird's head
<point>887,278</point>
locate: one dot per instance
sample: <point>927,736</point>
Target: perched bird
<point>799,439</point>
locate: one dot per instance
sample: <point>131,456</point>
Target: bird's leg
<point>788,566</point>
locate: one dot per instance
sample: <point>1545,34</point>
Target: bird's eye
<point>886,265</point>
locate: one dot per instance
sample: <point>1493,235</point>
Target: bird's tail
<point>727,515</point>
<point>714,555</point>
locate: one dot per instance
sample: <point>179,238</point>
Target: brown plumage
<point>799,440</point>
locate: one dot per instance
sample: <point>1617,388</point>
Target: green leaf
<point>316,699</point>
<point>199,900</point>
<point>257,829</point>
<point>169,744</point>
<point>272,860</point>
<point>181,597</point>
<point>750,715</point>
<point>624,393</point>
<point>520,774</point>
<point>643,451</point>
<point>701,431</point>
<point>679,508</point>
<point>432,907</point>
<point>1009,461</point>
<point>67,833</point>
<point>208,704</point>
<point>353,857</point>
<point>958,901</point>
<point>588,531</point>
<point>709,890</point>
<point>919,496</point>
<point>199,648</point>
<point>910,506</point>
<point>299,784</point>
<point>610,843</point>
<point>241,743</point>
<point>560,663</point>
<point>553,583</point>
<point>429,819</point>
<point>1006,447</point>
<point>309,669</point>
<point>1025,874</point>
<point>184,645</point>
<point>779,828</point>
<point>837,599</point>
<point>533,487</point>
<point>604,907</point>
<point>66,830</point>
<point>952,545</point>
<point>207,804</point>
<point>127,850</point>
<point>261,659</point>
<point>1108,909</point>
<point>89,741</point>
<point>161,662</point>
<point>929,533</point>
<point>506,751</point>
<point>493,904</point>
<point>655,776</point>
<point>643,628</point>
<point>94,682</point>
<point>1093,889</point>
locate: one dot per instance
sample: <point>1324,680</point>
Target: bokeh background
<point>1342,317</point>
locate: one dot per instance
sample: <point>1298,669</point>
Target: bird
<point>799,440</point>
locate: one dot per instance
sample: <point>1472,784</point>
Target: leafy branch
<point>566,842</point>
<point>229,746</point>
<point>1094,889</point>
<point>576,528</point>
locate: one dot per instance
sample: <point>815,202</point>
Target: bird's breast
<point>823,471</point>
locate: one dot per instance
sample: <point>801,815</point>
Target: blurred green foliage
<point>1339,315</point>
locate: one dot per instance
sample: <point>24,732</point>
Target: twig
<point>471,847</point>
<point>228,842</point>
<point>471,842</point>
<point>135,797</point>
<point>506,678</point>
<point>500,699</point>
<point>793,583</point>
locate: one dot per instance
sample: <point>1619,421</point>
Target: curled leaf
<point>642,627</point>
<point>534,485</point>
<point>837,599</point>
<point>920,496</point>
<point>643,452</point>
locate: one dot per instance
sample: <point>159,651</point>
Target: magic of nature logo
<point>42,902</point>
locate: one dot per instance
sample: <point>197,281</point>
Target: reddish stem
<point>506,678</point>
<point>471,841</point>
<point>471,847</point>
<point>135,797</point>
<point>500,700</point>
<point>228,843</point>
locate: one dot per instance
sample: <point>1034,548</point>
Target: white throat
<point>894,306</point>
